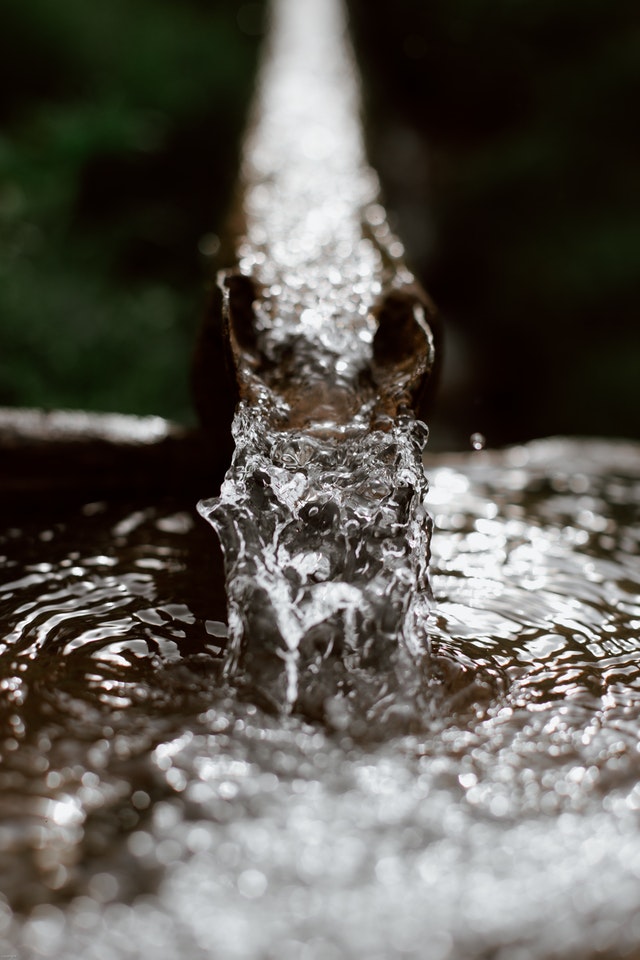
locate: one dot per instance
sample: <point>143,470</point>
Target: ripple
<point>144,803</point>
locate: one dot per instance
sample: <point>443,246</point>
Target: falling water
<point>322,516</point>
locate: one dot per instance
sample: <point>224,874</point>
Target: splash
<point>327,546</point>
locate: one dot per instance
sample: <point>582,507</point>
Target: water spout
<point>322,514</point>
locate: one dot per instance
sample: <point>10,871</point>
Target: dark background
<point>503,131</point>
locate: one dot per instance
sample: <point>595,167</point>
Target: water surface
<point>148,807</point>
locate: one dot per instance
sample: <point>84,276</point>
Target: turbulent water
<point>326,543</point>
<point>148,808</point>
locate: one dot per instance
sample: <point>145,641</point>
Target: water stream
<point>148,808</point>
<point>321,515</point>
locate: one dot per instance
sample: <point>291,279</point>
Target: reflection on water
<point>147,810</point>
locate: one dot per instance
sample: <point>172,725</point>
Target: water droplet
<point>209,245</point>
<point>252,884</point>
<point>478,441</point>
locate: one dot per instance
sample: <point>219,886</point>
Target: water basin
<point>148,808</point>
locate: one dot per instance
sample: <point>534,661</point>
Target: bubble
<point>103,887</point>
<point>478,441</point>
<point>209,245</point>
<point>44,931</point>
<point>252,884</point>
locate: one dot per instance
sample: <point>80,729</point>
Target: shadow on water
<point>145,802</point>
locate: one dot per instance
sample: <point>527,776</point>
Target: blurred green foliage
<point>120,128</point>
<point>510,128</point>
